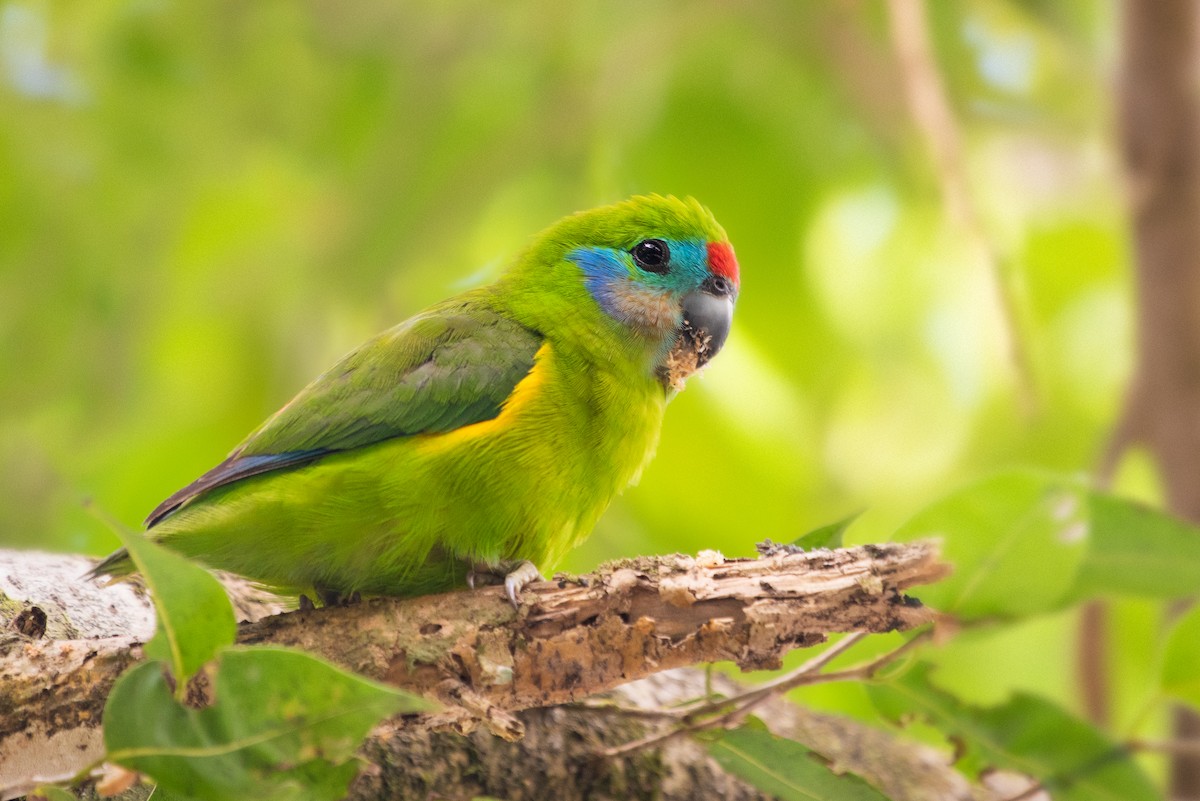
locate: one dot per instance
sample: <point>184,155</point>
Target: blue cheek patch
<point>604,270</point>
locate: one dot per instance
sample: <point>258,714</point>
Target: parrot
<point>484,436</point>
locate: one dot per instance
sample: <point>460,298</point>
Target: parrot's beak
<point>707,317</point>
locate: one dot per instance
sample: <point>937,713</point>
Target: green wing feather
<point>448,367</point>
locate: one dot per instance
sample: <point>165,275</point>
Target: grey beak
<point>707,317</point>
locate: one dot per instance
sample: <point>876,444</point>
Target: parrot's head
<point>656,272</point>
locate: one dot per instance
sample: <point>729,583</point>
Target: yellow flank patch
<point>522,396</point>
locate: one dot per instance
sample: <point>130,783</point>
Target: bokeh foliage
<point>203,205</point>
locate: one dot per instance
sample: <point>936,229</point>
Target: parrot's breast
<point>532,482</point>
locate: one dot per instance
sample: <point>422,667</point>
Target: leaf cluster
<point>1024,544</point>
<point>205,719</point>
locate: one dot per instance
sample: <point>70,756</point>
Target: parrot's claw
<point>484,575</point>
<point>518,579</point>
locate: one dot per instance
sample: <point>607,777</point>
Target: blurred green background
<point>203,205</point>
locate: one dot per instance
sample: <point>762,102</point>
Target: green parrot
<point>487,434</point>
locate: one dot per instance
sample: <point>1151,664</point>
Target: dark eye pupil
<point>652,255</point>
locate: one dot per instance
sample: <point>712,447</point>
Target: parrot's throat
<point>690,352</point>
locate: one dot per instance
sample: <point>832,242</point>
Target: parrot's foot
<point>518,579</point>
<point>332,598</point>
<point>517,576</point>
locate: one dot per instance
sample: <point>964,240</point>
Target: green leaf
<point>285,725</point>
<point>1136,550</point>
<point>1015,540</point>
<point>827,536</point>
<point>1181,662</point>
<point>786,769</point>
<point>160,793</point>
<point>1027,734</point>
<point>1028,542</point>
<point>194,616</point>
<point>49,792</point>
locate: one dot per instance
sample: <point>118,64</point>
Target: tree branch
<point>470,650</point>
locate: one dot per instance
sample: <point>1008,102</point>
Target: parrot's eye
<point>652,255</point>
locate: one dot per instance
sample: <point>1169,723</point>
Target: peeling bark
<point>471,650</point>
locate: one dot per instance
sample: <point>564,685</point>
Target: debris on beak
<point>707,316</point>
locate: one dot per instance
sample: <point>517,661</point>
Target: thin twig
<point>934,117</point>
<point>864,673</point>
<point>1175,747</point>
<point>781,683</point>
<point>633,712</point>
<point>738,706</point>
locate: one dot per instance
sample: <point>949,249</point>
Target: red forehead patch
<point>722,261</point>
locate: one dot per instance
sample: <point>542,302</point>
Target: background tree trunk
<point>1160,124</point>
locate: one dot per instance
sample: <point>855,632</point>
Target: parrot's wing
<point>449,367</point>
